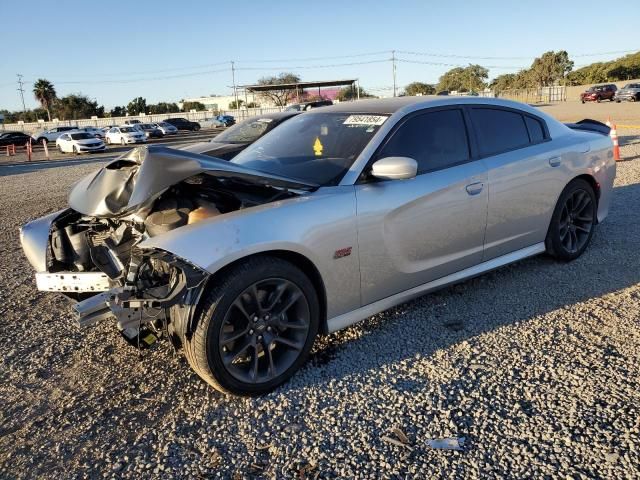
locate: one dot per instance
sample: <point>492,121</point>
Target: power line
<point>477,57</point>
<point>310,59</point>
<point>135,80</point>
<point>298,67</point>
<point>441,64</point>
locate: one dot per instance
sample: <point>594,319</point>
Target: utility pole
<point>393,62</point>
<point>233,79</point>
<point>21,90</point>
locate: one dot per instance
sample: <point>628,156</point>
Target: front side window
<point>499,130</point>
<point>435,140</point>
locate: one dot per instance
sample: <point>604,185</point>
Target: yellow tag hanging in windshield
<point>317,147</point>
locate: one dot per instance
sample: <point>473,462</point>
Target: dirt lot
<point>624,113</point>
<point>535,365</point>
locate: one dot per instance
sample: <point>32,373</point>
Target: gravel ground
<point>536,365</point>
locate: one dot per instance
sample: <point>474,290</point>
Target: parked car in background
<point>96,132</point>
<point>79,142</point>
<point>125,134</point>
<point>52,134</point>
<point>165,128</point>
<point>150,131</point>
<point>219,121</point>
<point>336,215</point>
<point>630,92</point>
<point>238,137</point>
<point>598,93</point>
<point>132,122</point>
<point>301,107</point>
<point>18,139</point>
<point>183,124</point>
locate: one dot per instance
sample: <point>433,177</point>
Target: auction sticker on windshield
<point>365,120</point>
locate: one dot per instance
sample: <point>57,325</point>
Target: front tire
<point>123,142</point>
<point>573,221</point>
<point>255,327</point>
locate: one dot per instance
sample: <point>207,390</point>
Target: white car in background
<point>96,132</point>
<point>165,128</point>
<point>79,142</point>
<point>125,134</point>
<point>52,134</point>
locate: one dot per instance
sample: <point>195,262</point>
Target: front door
<point>411,232</point>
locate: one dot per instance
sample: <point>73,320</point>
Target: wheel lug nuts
<point>255,319</point>
<point>259,337</point>
<point>251,332</point>
<point>268,329</point>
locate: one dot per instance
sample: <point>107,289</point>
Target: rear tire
<point>598,99</point>
<point>122,142</point>
<point>244,346</point>
<point>573,221</point>
<point>75,150</point>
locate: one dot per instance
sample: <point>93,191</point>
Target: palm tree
<point>45,93</point>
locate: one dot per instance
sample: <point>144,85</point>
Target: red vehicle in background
<point>599,93</point>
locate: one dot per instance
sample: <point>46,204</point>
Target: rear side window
<point>536,131</point>
<point>499,130</point>
<point>436,140</point>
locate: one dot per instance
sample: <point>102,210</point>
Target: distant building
<point>223,102</point>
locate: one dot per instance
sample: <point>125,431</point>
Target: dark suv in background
<point>599,93</point>
<point>630,92</point>
<point>183,124</point>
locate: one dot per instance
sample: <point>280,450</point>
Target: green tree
<point>550,68</point>
<point>350,93</point>
<point>253,105</point>
<point>279,96</point>
<point>137,106</point>
<point>188,106</point>
<point>118,111</point>
<point>418,88</point>
<point>76,106</point>
<point>233,105</point>
<point>45,93</point>
<point>464,79</point>
<point>164,107</point>
<point>623,68</point>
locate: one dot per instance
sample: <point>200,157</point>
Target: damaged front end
<point>92,251</point>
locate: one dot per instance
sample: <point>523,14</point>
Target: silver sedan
<point>337,214</point>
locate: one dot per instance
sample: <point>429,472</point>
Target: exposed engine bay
<point>93,246</point>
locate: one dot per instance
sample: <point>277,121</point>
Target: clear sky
<point>115,51</point>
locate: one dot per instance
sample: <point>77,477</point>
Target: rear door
<point>411,232</point>
<point>525,177</point>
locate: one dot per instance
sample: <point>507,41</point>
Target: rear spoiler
<point>588,125</point>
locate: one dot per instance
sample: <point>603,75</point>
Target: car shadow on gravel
<point>512,294</point>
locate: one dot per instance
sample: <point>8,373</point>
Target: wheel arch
<point>295,258</point>
<point>590,179</point>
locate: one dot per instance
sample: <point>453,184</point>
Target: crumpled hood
<point>142,174</point>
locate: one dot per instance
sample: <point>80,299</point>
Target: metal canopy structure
<point>301,86</point>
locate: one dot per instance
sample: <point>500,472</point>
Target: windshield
<point>316,148</point>
<point>128,129</point>
<point>632,85</point>
<point>244,132</point>
<point>164,124</point>
<point>81,136</point>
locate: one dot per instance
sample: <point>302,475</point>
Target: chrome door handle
<point>475,188</point>
<point>555,161</point>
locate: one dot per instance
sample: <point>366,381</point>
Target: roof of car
<point>279,115</point>
<point>391,105</point>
